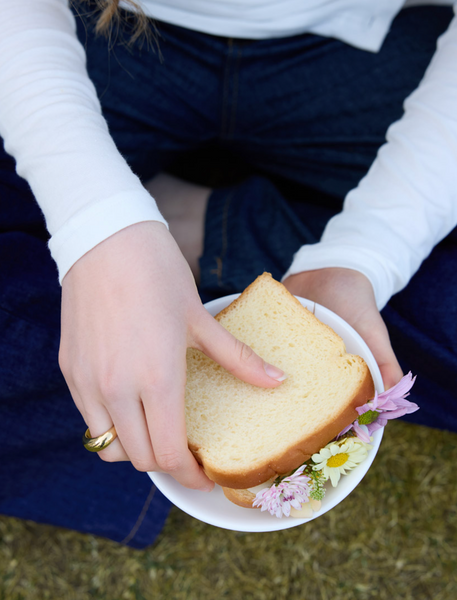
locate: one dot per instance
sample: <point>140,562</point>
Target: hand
<point>130,309</point>
<point>350,295</point>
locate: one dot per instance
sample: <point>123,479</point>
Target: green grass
<point>394,538</point>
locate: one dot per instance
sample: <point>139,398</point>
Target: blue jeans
<point>294,124</point>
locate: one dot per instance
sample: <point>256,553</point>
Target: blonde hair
<point>109,19</point>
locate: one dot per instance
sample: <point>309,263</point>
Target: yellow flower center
<point>338,460</point>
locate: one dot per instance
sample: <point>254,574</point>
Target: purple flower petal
<point>378,424</point>
<point>394,414</point>
<point>410,406</point>
<point>363,409</point>
<point>390,405</point>
<point>292,491</point>
<point>401,389</point>
<point>361,432</point>
<point>345,430</point>
<point>386,404</point>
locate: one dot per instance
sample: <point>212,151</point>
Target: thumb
<point>391,373</point>
<point>236,357</point>
<point>377,338</point>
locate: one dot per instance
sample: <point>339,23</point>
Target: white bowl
<point>215,509</point>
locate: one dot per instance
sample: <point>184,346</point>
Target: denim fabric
<point>251,228</point>
<point>45,473</point>
<point>304,116</point>
<point>307,108</point>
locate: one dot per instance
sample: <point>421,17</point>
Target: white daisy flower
<point>339,457</point>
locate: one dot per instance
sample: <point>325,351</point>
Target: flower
<point>317,489</point>
<point>292,491</point>
<point>391,404</point>
<point>388,405</point>
<point>338,457</point>
<point>360,431</point>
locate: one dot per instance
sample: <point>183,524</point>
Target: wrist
<point>336,277</point>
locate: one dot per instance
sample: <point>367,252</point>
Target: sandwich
<point>245,436</point>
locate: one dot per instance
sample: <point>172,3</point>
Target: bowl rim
<point>201,505</point>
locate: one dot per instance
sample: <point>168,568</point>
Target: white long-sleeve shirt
<point>50,119</point>
<point>361,23</point>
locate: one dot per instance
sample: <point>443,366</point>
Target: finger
<point>94,414</point>
<point>391,374</point>
<point>130,422</point>
<point>165,415</point>
<point>378,340</point>
<point>99,421</point>
<point>237,358</point>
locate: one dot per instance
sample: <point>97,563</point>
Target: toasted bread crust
<point>243,498</point>
<point>297,454</point>
<point>251,288</point>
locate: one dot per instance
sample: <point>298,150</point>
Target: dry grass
<point>394,538</point>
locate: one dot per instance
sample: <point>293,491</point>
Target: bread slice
<point>243,498</point>
<point>244,435</point>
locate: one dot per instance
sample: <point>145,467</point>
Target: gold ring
<point>95,444</point>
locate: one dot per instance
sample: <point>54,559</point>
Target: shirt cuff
<point>93,225</point>
<point>320,256</point>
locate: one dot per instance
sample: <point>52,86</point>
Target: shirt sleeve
<point>51,123</point>
<point>407,202</point>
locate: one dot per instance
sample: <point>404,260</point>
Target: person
<point>299,95</point>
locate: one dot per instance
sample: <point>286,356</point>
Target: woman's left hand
<point>350,295</point>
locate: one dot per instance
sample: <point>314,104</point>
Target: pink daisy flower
<point>388,405</point>
<point>293,491</point>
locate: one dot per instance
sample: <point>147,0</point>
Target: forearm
<point>51,121</point>
<point>407,202</point>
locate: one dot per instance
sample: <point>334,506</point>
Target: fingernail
<point>274,372</point>
<point>207,488</point>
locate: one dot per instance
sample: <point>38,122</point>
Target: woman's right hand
<point>130,309</point>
